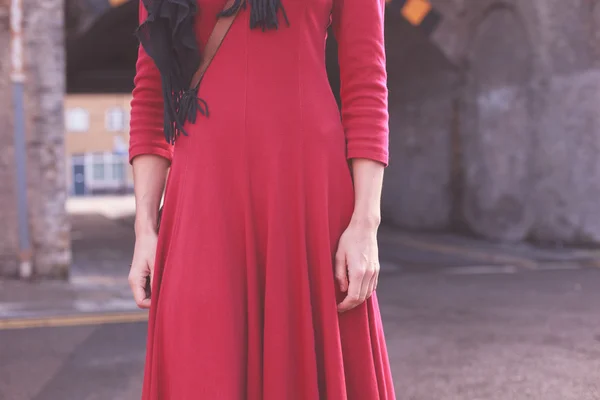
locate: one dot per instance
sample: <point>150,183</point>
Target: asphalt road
<point>500,336</point>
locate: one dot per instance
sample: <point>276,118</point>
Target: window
<point>106,172</point>
<point>77,120</point>
<point>115,119</point>
<point>107,169</point>
<point>118,170</point>
<point>98,170</point>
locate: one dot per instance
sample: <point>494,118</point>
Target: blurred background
<point>490,256</point>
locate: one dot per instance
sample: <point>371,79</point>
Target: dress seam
<point>246,188</point>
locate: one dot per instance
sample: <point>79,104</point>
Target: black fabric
<point>168,37</point>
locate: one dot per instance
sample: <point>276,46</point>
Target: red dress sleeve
<point>358,29</point>
<point>146,128</point>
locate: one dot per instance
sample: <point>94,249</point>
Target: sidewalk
<point>103,240</point>
<point>454,254</point>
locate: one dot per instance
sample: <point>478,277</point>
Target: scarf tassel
<point>190,105</point>
<point>180,107</point>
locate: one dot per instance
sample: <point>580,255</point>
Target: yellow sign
<point>116,3</point>
<point>415,11</point>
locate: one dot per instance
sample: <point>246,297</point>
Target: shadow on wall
<point>422,181</point>
<point>101,59</point>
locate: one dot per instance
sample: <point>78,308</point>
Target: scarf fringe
<point>181,107</point>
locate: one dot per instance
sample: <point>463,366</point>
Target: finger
<point>139,294</point>
<point>145,303</point>
<point>366,284</point>
<point>353,297</point>
<point>151,267</point>
<point>341,271</point>
<point>376,282</point>
<point>372,283</point>
<point>137,284</point>
<point>377,272</point>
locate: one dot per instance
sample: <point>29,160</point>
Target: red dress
<point>259,193</point>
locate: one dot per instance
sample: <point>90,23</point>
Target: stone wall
<point>526,149</point>
<point>44,92</point>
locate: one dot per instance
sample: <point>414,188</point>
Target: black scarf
<point>168,37</point>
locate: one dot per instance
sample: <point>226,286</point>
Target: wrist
<point>145,224</point>
<point>366,221</point>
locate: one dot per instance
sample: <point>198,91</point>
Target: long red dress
<point>244,298</point>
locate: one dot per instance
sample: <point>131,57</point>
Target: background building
<point>97,138</point>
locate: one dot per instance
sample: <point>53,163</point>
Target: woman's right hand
<point>149,174</point>
<point>142,266</point>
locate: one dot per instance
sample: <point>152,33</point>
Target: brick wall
<point>97,137</point>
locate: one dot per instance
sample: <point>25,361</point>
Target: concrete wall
<point>44,91</point>
<point>8,215</point>
<point>496,127</point>
<point>45,63</point>
<point>526,151</point>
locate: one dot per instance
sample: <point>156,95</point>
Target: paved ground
<point>465,320</point>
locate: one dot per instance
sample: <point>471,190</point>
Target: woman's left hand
<point>357,265</point>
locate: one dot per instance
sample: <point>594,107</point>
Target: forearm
<point>368,180</point>
<point>149,175</point>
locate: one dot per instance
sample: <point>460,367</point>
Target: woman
<point>264,271</point>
